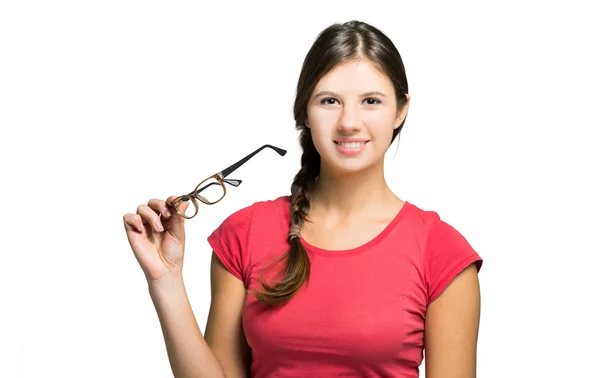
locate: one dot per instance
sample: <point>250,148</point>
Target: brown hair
<point>336,44</point>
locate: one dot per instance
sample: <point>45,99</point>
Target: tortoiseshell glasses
<point>213,188</point>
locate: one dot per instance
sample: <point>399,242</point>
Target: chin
<point>350,166</point>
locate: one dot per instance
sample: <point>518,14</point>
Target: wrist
<point>166,282</point>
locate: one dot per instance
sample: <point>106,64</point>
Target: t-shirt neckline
<point>352,251</point>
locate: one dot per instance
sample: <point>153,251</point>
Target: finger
<point>177,222</point>
<point>182,206</point>
<point>151,217</point>
<point>133,222</point>
<point>160,207</point>
<point>169,201</point>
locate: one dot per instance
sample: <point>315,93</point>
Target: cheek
<point>381,124</point>
<point>322,118</point>
<point>320,137</point>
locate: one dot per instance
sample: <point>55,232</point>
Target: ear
<point>306,123</point>
<point>402,112</point>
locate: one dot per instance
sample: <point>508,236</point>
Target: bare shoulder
<point>452,328</point>
<point>224,332</point>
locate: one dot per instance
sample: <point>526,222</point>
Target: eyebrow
<point>329,93</point>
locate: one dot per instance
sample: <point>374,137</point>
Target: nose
<point>349,120</point>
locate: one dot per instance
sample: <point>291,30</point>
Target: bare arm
<point>452,328</point>
<point>224,330</point>
<point>223,352</point>
<point>189,354</point>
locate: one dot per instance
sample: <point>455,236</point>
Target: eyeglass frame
<point>220,178</point>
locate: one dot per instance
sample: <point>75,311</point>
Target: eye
<point>372,101</point>
<point>328,101</point>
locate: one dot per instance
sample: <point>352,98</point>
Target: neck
<point>346,194</point>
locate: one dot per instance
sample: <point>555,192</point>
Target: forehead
<point>355,76</point>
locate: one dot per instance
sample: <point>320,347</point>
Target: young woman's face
<point>352,114</point>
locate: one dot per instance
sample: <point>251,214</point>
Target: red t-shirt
<point>362,313</point>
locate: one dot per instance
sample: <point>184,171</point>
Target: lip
<point>351,151</point>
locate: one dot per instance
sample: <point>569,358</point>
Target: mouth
<point>351,145</point>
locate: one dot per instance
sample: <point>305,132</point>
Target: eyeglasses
<point>213,188</point>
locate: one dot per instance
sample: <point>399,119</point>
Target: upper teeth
<point>351,144</point>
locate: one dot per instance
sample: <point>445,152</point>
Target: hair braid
<point>297,265</point>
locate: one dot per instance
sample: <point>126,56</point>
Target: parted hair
<point>337,44</point>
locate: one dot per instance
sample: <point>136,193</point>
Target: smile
<point>351,144</point>
<point>351,148</point>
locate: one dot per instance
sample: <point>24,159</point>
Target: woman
<point>341,278</point>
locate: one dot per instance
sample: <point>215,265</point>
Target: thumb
<point>177,222</point>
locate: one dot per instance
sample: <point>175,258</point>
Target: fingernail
<point>167,213</point>
<point>159,226</point>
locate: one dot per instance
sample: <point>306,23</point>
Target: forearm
<point>189,354</point>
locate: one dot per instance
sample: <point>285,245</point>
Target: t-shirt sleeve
<point>447,253</point>
<point>229,241</point>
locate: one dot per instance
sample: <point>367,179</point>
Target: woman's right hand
<point>156,235</point>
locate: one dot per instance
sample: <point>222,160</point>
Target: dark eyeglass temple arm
<point>229,170</point>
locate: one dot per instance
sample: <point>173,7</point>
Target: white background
<point>106,104</point>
